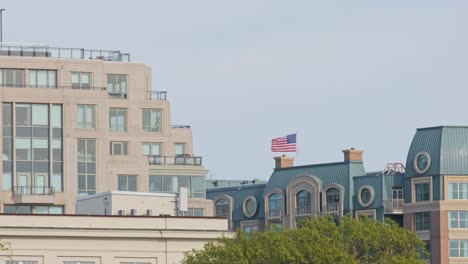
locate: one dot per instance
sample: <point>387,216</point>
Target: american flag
<point>284,144</point>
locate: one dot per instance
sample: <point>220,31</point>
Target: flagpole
<point>297,147</point>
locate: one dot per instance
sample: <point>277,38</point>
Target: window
<point>117,85</point>
<point>222,208</point>
<point>333,201</point>
<point>423,221</point>
<point>43,78</point>
<point>249,226</point>
<point>155,183</point>
<point>179,149</point>
<point>275,206</point>
<point>11,78</point>
<point>250,206</point>
<point>303,203</point>
<point>7,181</point>
<point>458,219</point>
<point>119,148</point>
<point>422,191</point>
<point>33,209</point>
<point>86,167</point>
<point>118,119</point>
<point>171,184</point>
<point>81,80</point>
<point>458,248</point>
<point>152,149</point>
<point>458,190</point>
<point>128,183</point>
<point>196,212</point>
<point>20,262</point>
<point>152,120</point>
<point>86,116</point>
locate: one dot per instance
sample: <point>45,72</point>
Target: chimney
<point>283,162</point>
<point>352,154</point>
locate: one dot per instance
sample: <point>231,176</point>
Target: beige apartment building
<point>72,239</point>
<point>78,122</point>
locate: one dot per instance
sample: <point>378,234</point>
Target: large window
<point>196,212</point>
<point>33,209</point>
<point>81,80</point>
<point>303,203</point>
<point>117,85</point>
<point>152,120</point>
<point>43,78</point>
<point>7,147</point>
<point>86,116</point>
<point>458,219</point>
<point>118,119</point>
<point>333,201</point>
<point>222,208</point>
<point>275,206</point>
<point>458,248</point>
<point>128,183</point>
<point>86,166</point>
<point>422,191</point>
<point>458,190</point>
<point>179,149</point>
<point>423,221</point>
<point>171,184</point>
<point>11,78</point>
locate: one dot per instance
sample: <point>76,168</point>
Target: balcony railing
<point>157,95</point>
<point>394,206</point>
<point>180,126</point>
<point>53,87</point>
<point>118,95</point>
<point>333,208</point>
<point>175,160</point>
<point>33,190</point>
<point>303,211</point>
<point>274,215</point>
<point>65,53</point>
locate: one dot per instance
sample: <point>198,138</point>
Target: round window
<point>250,206</point>
<point>422,162</point>
<point>366,195</point>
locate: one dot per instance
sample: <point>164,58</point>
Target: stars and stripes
<point>284,144</point>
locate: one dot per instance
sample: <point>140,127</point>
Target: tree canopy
<point>321,240</point>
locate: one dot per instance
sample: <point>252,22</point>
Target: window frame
<point>118,127</point>
<point>422,221</point>
<point>124,148</point>
<point>80,85</point>
<point>127,176</point>
<point>421,180</point>
<point>84,124</point>
<point>151,128</point>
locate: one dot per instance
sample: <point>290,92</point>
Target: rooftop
<point>44,51</point>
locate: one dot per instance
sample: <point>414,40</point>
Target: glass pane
<point>155,149</point>
<point>146,149</point>
<point>123,183</point>
<point>7,181</point>
<point>56,116</point>
<point>179,149</point>
<point>132,183</point>
<point>91,149</point>
<point>56,210</point>
<point>32,77</point>
<point>57,182</point>
<point>6,114</point>
<point>23,115</point>
<point>117,148</point>
<point>81,183</point>
<point>155,183</point>
<point>91,184</point>
<point>40,115</point>
<point>41,209</point>
<point>198,184</point>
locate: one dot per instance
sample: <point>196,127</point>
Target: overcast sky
<point>361,74</point>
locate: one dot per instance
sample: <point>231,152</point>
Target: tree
<point>321,240</point>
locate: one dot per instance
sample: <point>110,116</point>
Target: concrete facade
<point>55,182</point>
<point>47,239</point>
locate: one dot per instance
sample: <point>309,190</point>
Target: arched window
<point>222,207</point>
<point>303,202</point>
<point>275,206</point>
<point>333,201</point>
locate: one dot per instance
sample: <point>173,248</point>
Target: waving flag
<point>284,144</point>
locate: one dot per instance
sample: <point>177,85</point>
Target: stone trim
<point>324,197</point>
<point>372,195</point>
<point>267,200</point>
<point>244,206</point>
<point>231,206</point>
<point>420,180</point>
<point>300,183</point>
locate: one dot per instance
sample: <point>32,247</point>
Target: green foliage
<point>318,241</point>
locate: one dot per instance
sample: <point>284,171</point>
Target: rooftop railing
<point>53,87</point>
<point>157,95</point>
<point>175,160</point>
<point>33,190</point>
<point>65,53</point>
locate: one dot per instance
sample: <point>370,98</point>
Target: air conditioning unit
<point>133,212</point>
<point>121,212</point>
<point>149,212</point>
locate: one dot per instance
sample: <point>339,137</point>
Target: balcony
<point>274,215</point>
<point>333,208</point>
<point>157,95</point>
<point>394,206</point>
<point>303,212</point>
<point>33,194</point>
<point>53,87</point>
<point>32,50</point>
<point>175,160</point>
